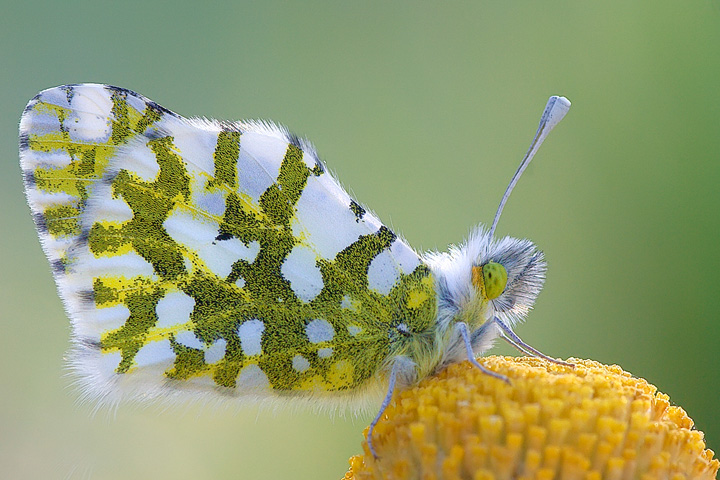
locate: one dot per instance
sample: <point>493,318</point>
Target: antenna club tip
<point>560,99</point>
<point>557,107</point>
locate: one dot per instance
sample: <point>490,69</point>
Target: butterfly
<point>206,259</point>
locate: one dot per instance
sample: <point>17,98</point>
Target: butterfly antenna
<point>555,110</point>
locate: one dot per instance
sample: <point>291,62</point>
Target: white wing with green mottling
<point>200,256</point>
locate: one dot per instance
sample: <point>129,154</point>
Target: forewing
<point>194,255</point>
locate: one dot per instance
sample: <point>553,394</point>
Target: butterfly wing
<point>201,256</point>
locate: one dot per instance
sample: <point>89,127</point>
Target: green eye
<point>491,279</point>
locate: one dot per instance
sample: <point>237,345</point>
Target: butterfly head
<point>486,277</point>
<point>506,275</point>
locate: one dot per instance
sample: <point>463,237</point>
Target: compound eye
<point>490,279</point>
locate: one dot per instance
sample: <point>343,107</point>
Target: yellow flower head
<point>552,422</point>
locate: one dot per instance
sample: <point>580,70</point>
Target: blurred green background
<point>423,111</point>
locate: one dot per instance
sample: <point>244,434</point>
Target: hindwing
<point>193,254</point>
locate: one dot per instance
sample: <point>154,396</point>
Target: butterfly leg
<point>404,373</point>
<point>463,329</point>
<point>509,336</point>
<point>386,402</point>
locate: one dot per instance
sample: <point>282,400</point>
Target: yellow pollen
<point>594,422</point>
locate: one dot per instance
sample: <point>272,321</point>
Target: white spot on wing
<point>41,200</point>
<point>354,330</point>
<point>189,339</point>
<point>54,159</point>
<point>319,330</point>
<point>187,263</point>
<point>102,207</point>
<point>174,309</point>
<point>155,353</point>
<point>371,221</point>
<point>324,218</point>
<point>220,255</point>
<point>309,159</point>
<point>55,96</point>
<point>383,273</point>
<point>107,209</point>
<point>107,318</point>
<point>349,303</point>
<point>404,256</point>
<point>216,351</point>
<point>136,102</point>
<point>89,119</point>
<point>252,377</point>
<point>109,363</point>
<point>137,158</point>
<point>196,146</point>
<point>325,352</point>
<point>211,202</point>
<point>250,333</point>
<point>300,269</point>
<point>96,322</point>
<point>191,230</point>
<point>300,363</point>
<point>259,162</point>
<point>39,121</point>
<point>128,265</point>
<point>199,234</point>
